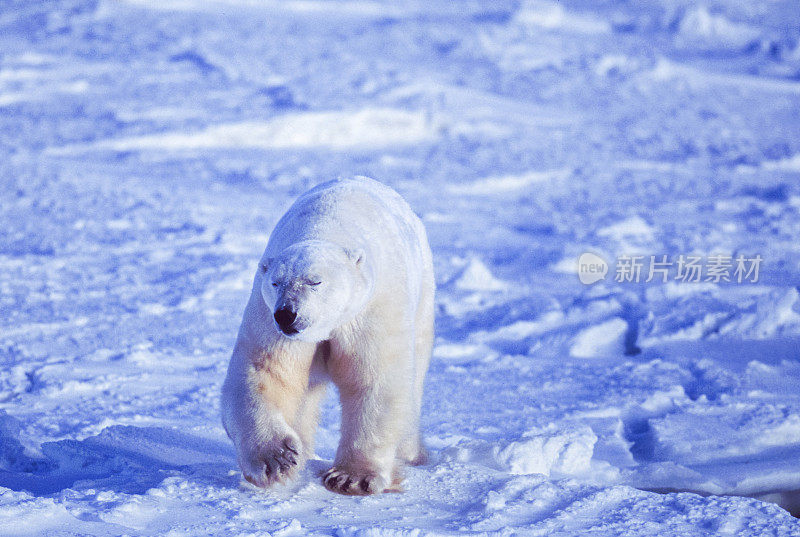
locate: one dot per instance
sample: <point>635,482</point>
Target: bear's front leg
<point>260,399</point>
<point>376,405</point>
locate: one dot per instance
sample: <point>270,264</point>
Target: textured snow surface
<point>148,147</point>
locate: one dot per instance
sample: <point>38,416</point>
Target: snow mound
<point>552,16</point>
<point>789,164</point>
<point>633,227</point>
<point>786,432</point>
<point>704,434</point>
<point>712,449</point>
<point>773,314</point>
<point>701,30</point>
<point>340,130</point>
<point>550,451</point>
<point>601,339</point>
<point>377,532</point>
<point>504,184</point>
<point>356,8</point>
<point>13,455</point>
<point>477,277</point>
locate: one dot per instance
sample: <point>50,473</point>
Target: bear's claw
<point>280,461</point>
<point>285,456</point>
<point>275,463</point>
<point>343,482</point>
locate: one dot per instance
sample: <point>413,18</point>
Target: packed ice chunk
<point>477,277</point>
<point>701,30</point>
<point>601,339</point>
<point>550,451</point>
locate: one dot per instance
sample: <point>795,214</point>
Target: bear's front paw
<point>346,481</point>
<point>273,462</point>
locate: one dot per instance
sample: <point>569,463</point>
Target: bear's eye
<point>274,284</point>
<point>314,283</point>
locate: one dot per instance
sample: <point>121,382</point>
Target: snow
<point>634,226</point>
<point>368,129</point>
<point>147,149</point>
<point>549,452</point>
<point>507,183</point>
<point>701,30</point>
<point>601,339</point>
<point>551,15</point>
<point>476,277</point>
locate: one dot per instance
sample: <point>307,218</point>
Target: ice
<point>508,183</point>
<point>608,337</point>
<point>476,277</point>
<point>789,164</point>
<point>551,15</point>
<point>147,148</point>
<point>360,8</point>
<point>366,129</point>
<point>550,452</point>
<point>634,227</point>
<point>701,30</point>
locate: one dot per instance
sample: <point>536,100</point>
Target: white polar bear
<point>343,292</point>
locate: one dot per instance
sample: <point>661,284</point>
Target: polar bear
<point>343,293</point>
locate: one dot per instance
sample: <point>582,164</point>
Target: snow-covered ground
<point>147,147</point>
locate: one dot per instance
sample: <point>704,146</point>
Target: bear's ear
<point>357,255</point>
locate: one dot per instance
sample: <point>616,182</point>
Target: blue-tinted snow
<point>147,147</point>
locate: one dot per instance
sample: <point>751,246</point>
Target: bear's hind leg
<point>412,449</point>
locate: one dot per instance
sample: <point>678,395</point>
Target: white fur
<point>352,259</point>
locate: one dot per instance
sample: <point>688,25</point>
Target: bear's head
<point>312,287</point>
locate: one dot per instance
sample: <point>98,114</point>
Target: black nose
<point>285,317</point>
